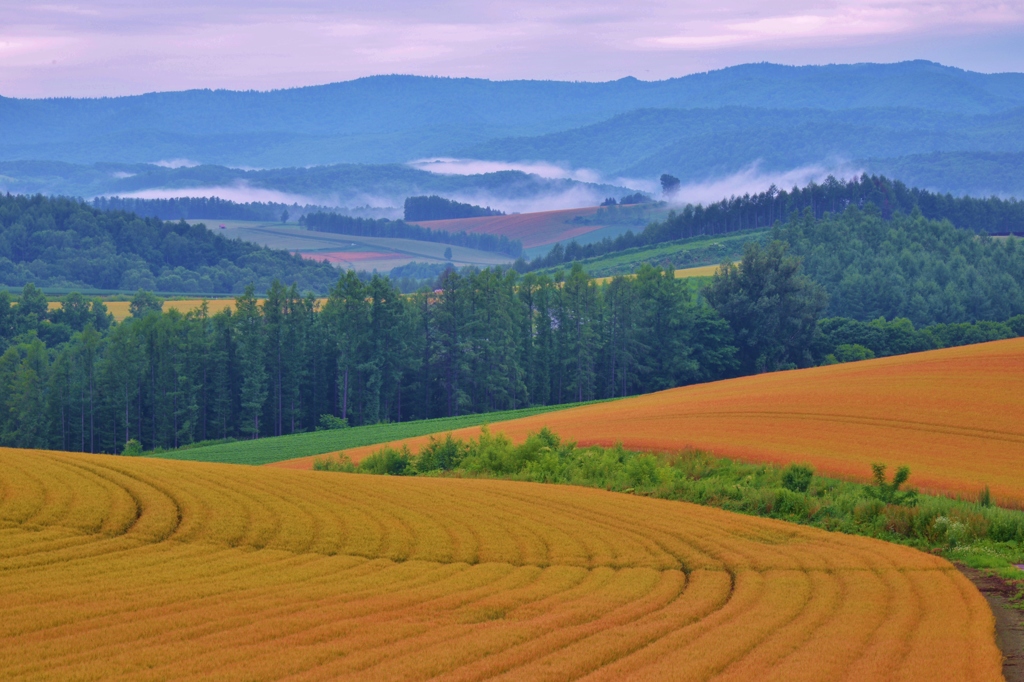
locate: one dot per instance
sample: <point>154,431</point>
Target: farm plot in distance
<point>352,252</point>
<point>955,416</point>
<point>152,569</point>
<point>544,228</point>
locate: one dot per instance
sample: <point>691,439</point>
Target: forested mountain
<point>978,174</point>
<point>702,144</point>
<point>66,243</point>
<point>398,118</point>
<point>749,212</point>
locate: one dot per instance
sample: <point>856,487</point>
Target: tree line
<point>370,227</point>
<point>774,205</point>
<point>434,207</point>
<point>200,208</point>
<point>481,340</point>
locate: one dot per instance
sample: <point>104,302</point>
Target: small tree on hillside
<point>669,184</point>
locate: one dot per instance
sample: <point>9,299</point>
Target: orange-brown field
<point>955,416</point>
<point>117,568</point>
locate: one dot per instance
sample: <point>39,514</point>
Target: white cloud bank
<point>752,180</point>
<point>552,171</point>
<point>176,163</point>
<point>239,192</point>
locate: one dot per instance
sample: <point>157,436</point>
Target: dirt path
<point>1009,621</point>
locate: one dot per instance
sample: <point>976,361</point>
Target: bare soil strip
<point>1009,621</point>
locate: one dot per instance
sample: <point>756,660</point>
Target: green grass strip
<point>267,450</point>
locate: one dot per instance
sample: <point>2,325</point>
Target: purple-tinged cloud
<point>112,47</point>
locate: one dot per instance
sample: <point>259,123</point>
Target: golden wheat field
<point>147,569</point>
<point>955,416</point>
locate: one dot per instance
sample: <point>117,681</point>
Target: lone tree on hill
<point>669,184</point>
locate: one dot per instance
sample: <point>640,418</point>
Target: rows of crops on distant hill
<point>683,253</point>
<point>267,450</point>
<point>146,569</point>
<point>953,415</point>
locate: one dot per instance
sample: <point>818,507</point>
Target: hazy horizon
<point>111,48</point>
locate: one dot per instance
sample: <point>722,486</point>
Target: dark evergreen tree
<point>772,308</point>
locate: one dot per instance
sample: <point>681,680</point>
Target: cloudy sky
<point>117,47</point>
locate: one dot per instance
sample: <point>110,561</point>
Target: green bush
<point>890,493</point>
<point>387,461</point>
<point>442,455</point>
<point>852,352</point>
<point>328,422</point>
<point>132,448</point>
<point>342,463</point>
<point>797,477</point>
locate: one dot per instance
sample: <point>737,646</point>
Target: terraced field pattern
<point>118,568</point>
<point>954,416</point>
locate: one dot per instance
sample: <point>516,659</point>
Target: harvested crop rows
<point>149,569</point>
<point>955,416</point>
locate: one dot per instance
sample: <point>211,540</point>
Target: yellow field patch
<point>684,273</point>
<point>146,569</point>
<point>120,309</point>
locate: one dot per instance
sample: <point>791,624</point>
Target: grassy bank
<point>267,450</point>
<point>683,253</point>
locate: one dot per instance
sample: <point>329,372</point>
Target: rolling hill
<point>954,416</point>
<point>387,119</point>
<point>703,144</point>
<point>120,568</point>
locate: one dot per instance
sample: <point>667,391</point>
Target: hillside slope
<point>119,568</point>
<point>954,416</point>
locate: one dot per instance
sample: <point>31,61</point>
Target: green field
<point>267,450</point>
<point>683,253</point>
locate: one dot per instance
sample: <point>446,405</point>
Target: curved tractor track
<point>149,569</point>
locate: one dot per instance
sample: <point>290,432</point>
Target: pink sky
<point>117,47</point>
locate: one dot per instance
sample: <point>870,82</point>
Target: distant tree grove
<point>479,340</point>
<point>483,340</point>
<point>889,198</point>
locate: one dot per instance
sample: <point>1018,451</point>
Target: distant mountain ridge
<point>703,143</point>
<point>393,119</point>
